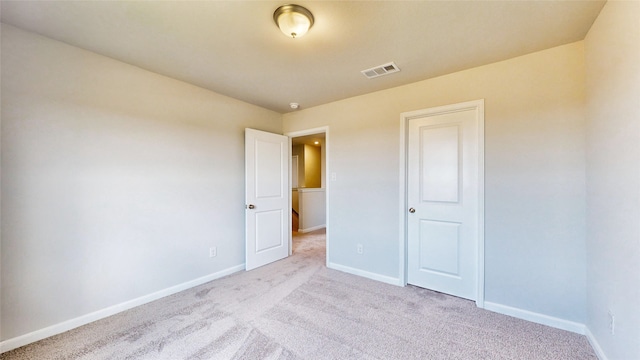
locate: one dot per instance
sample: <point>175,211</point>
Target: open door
<point>267,197</point>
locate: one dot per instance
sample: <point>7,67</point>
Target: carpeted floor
<point>296,308</point>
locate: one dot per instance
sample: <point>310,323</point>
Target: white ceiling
<point>234,47</point>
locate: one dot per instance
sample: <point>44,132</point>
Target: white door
<point>267,197</point>
<point>443,200</point>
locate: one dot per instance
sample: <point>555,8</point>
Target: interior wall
<point>312,166</point>
<point>299,150</point>
<point>534,176</point>
<point>613,179</point>
<point>312,209</point>
<point>115,181</point>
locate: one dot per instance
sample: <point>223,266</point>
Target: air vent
<point>385,69</point>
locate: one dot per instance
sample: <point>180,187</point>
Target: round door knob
<point>251,206</point>
<point>412,210</point>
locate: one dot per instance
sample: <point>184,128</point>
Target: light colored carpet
<point>298,309</point>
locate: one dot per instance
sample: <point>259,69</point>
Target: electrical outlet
<point>359,249</point>
<point>612,323</point>
<point>213,252</point>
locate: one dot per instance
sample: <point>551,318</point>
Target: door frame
<point>325,180</point>
<point>405,117</point>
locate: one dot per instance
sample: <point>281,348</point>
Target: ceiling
<point>234,47</point>
<point>309,140</point>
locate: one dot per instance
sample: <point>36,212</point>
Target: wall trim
<point>536,317</point>
<point>366,274</point>
<point>594,344</point>
<point>313,228</point>
<point>59,328</point>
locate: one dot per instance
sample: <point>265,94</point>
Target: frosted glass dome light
<point>293,20</point>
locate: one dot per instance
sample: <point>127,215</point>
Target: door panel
<point>442,188</point>
<point>269,166</point>
<point>268,230</point>
<point>439,163</point>
<point>439,247</point>
<point>267,197</point>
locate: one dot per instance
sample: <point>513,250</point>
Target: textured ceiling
<point>234,48</point>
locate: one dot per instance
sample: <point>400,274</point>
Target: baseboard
<point>313,228</point>
<point>37,335</point>
<point>595,345</point>
<point>366,274</point>
<point>536,317</point>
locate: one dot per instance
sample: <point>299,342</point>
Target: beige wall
<point>534,176</point>
<point>115,182</point>
<point>312,166</point>
<point>309,165</point>
<point>312,209</point>
<point>299,151</point>
<point>613,179</point>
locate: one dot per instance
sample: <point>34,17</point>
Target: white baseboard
<point>37,335</point>
<point>499,308</point>
<point>536,317</point>
<point>313,228</point>
<point>366,274</point>
<point>595,345</point>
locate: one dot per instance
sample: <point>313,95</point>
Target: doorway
<point>310,199</point>
<point>442,199</point>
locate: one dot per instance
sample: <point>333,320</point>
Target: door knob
<point>251,206</point>
<point>412,210</point>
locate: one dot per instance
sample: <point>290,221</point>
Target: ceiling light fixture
<point>293,20</point>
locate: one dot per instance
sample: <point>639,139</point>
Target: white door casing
<point>267,192</point>
<point>444,199</point>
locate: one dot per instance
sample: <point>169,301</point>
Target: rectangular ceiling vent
<point>385,69</point>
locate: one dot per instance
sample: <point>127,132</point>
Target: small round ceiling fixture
<point>293,20</point>
<point>294,106</point>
